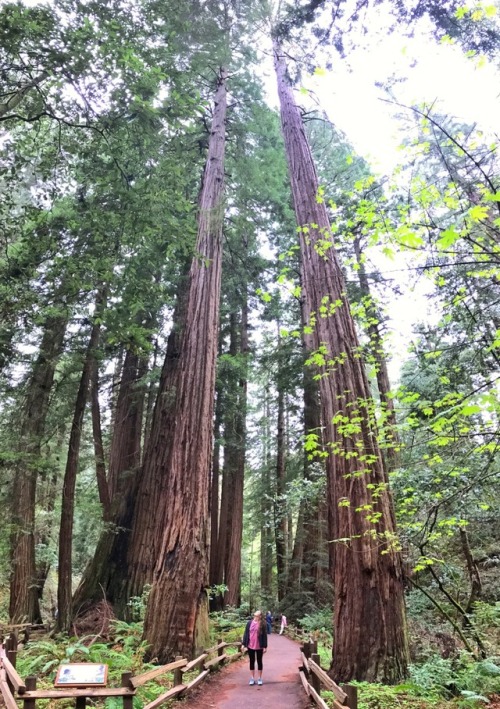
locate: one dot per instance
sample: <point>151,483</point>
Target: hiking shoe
<point>259,681</point>
<point>252,682</point>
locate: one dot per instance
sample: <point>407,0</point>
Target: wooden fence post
<point>178,672</point>
<point>11,653</point>
<point>30,686</point>
<point>128,702</point>
<point>352,695</point>
<point>315,681</point>
<point>11,648</point>
<point>314,646</point>
<point>306,649</point>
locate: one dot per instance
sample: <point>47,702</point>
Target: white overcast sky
<point>463,87</point>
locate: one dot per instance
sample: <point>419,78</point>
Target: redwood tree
<point>177,614</point>
<point>24,603</point>
<point>369,613</point>
<point>65,569</point>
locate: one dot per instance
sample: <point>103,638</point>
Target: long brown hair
<point>258,615</point>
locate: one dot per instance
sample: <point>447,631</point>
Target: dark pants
<point>251,655</point>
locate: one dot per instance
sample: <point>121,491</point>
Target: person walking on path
<point>283,623</point>
<point>228,688</point>
<point>269,621</point>
<point>255,640</point>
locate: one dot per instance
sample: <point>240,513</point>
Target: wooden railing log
<point>327,681</point>
<point>304,681</point>
<point>13,678</point>
<point>173,692</point>
<point>194,663</point>
<point>7,695</point>
<point>216,661</point>
<point>305,663</point>
<point>194,682</point>
<point>215,648</point>
<point>68,692</point>
<point>317,699</point>
<point>139,680</point>
<point>234,656</point>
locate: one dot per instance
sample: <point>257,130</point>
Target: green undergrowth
<point>458,681</point>
<point>461,683</point>
<point>122,652</point>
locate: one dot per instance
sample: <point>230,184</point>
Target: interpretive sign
<point>82,674</point>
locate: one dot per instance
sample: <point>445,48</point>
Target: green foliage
<point>487,615</point>
<point>138,604</point>
<point>123,653</point>
<point>438,677</point>
<point>230,622</point>
<point>320,620</point>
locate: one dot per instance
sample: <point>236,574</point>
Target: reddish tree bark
<point>266,555</point>
<point>107,570</point>
<point>392,442</point>
<point>280,513</point>
<point>24,606</point>
<point>177,615</point>
<point>65,566</point>
<point>307,569</point>
<point>233,566</point>
<point>100,466</point>
<point>214,578</point>
<point>369,613</point>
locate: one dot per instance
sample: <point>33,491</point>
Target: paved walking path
<point>229,688</point>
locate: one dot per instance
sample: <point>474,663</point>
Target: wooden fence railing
<point>313,678</point>
<point>14,689</point>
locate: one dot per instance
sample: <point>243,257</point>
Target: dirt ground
<point>229,688</point>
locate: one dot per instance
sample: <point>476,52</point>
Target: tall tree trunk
<point>392,442</point>
<point>266,557</point>
<point>151,396</point>
<point>214,578</point>
<point>43,537</point>
<point>177,615</point>
<point>369,614</point>
<point>280,513</point>
<point>230,460</point>
<point>105,572</point>
<point>24,606</point>
<point>100,465</point>
<point>137,550</point>
<point>310,545</point>
<point>233,568</point>
<point>223,531</point>
<point>65,567</point>
<point>474,576</point>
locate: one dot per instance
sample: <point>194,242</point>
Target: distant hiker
<point>255,640</point>
<point>283,623</point>
<point>269,621</point>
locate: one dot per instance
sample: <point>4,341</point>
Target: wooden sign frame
<point>81,674</point>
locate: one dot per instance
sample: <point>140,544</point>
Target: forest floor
<point>229,688</point>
